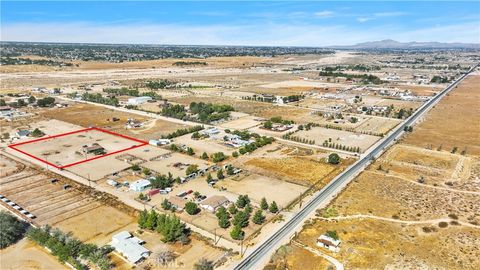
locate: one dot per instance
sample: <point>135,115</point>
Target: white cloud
<point>324,14</point>
<point>271,34</point>
<point>390,14</point>
<point>363,19</point>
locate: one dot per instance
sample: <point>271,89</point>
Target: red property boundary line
<point>14,146</point>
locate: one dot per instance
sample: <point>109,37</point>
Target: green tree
<point>209,178</point>
<point>11,230</point>
<point>333,158</point>
<point>166,205</point>
<point>223,222</point>
<point>232,209</point>
<point>258,218</point>
<point>235,154</point>
<point>332,234</point>
<point>218,157</point>
<point>37,133</point>
<point>240,219</point>
<point>220,174</point>
<point>242,200</point>
<point>135,167</point>
<point>237,233</point>
<point>204,156</point>
<point>273,207</point>
<point>151,222</point>
<point>191,208</point>
<point>146,171</point>
<point>230,170</point>
<point>264,204</point>
<point>31,99</point>
<point>193,168</point>
<point>268,125</point>
<point>142,219</point>
<point>190,151</point>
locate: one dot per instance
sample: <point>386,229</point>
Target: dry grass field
<point>86,115</point>
<point>414,208</point>
<point>374,244</point>
<point>304,171</point>
<point>454,122</point>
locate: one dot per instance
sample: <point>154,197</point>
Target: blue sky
<point>240,23</point>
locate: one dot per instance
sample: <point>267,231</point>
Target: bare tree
<point>164,257</point>
<point>203,264</point>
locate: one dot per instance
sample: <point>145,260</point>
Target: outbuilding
<point>138,100</point>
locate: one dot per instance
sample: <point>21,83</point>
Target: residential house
<point>139,100</point>
<point>213,203</point>
<point>177,202</point>
<point>140,185</point>
<point>130,247</point>
<point>329,243</point>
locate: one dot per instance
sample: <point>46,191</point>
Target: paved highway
<point>254,259</point>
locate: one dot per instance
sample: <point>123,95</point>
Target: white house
<point>328,243</point>
<point>138,100</point>
<point>130,247</point>
<point>140,185</point>
<point>213,203</point>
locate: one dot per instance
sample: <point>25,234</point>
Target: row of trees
<point>208,112</point>
<point>69,249</point>
<point>98,98</point>
<point>338,146</point>
<point>169,226</point>
<point>124,91</point>
<point>288,136</point>
<point>259,142</point>
<point>182,131</point>
<point>160,84</point>
<point>365,78</point>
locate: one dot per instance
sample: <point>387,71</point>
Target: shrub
<point>191,208</point>
<point>333,158</point>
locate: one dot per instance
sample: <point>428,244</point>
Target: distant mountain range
<point>392,44</point>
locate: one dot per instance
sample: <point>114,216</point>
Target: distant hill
<point>392,44</point>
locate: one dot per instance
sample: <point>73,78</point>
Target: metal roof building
<point>129,246</point>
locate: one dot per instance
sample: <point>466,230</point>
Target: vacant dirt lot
<point>299,170</point>
<point>254,186</point>
<point>68,149</point>
<point>377,125</point>
<point>341,137</point>
<point>87,115</point>
<point>98,225</point>
<point>454,122</point>
<point>28,256</point>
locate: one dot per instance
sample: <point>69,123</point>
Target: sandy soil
<point>28,256</point>
<point>300,170</point>
<point>341,137</point>
<point>455,121</point>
